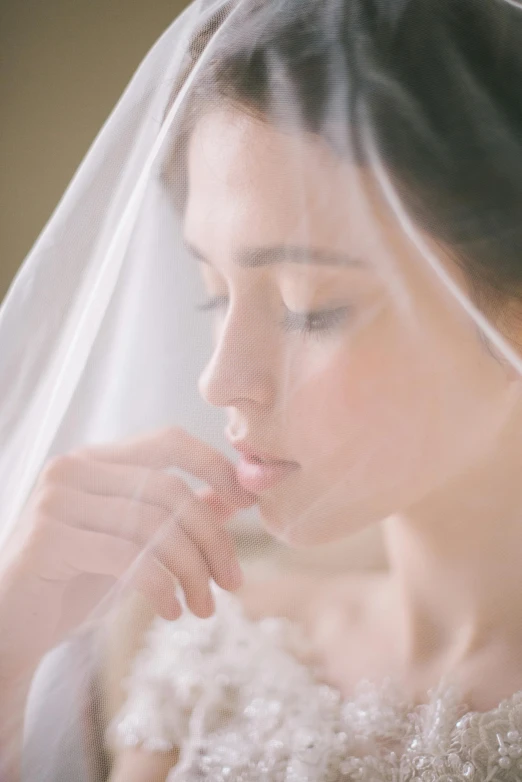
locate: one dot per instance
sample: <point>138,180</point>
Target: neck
<point>456,564</point>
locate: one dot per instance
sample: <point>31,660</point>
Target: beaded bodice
<point>231,693</point>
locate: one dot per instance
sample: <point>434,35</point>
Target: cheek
<point>355,401</point>
<point>388,414</point>
<point>352,428</point>
<point>377,426</point>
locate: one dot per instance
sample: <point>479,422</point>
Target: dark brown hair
<point>438,81</point>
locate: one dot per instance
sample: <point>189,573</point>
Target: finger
<point>216,546</point>
<point>145,523</point>
<point>153,528</point>
<point>158,586</point>
<point>73,551</point>
<point>115,480</point>
<point>167,536</point>
<point>130,519</point>
<point>175,447</point>
<point>181,556</point>
<point>149,535</point>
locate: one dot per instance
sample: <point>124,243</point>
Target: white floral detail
<point>231,695</point>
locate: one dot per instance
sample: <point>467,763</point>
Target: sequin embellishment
<point>230,694</point>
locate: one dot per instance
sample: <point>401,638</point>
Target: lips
<point>257,471</point>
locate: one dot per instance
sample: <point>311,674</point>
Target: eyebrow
<point>253,258</point>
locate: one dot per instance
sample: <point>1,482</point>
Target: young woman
<point>347,176</point>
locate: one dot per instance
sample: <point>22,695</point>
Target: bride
<point>346,178</point>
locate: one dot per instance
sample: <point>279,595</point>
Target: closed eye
<point>318,321</point>
<point>315,321</point>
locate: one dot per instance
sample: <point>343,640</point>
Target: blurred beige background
<point>64,66</point>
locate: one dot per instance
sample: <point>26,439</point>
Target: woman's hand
<point>101,513</point>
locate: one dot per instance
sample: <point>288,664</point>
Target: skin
<point>102,515</point>
<point>399,396</point>
<point>407,417</point>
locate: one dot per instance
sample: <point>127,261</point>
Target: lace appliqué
<point>231,694</point>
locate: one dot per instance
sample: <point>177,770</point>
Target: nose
<point>241,369</point>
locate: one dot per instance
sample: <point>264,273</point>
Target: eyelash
<point>320,322</point>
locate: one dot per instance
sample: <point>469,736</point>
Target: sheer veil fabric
<point>287,280</point>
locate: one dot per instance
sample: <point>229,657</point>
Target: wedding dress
<point>232,694</point>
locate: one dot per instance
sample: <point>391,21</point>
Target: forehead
<point>247,176</point>
<point>236,142</point>
<point>254,187</point>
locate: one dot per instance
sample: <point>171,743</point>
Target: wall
<point>64,65</point>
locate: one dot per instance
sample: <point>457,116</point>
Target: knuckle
<point>61,468</point>
<point>47,500</point>
<point>55,469</point>
<point>168,491</point>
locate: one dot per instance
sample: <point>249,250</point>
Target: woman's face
<point>336,346</point>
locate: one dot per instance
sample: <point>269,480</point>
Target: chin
<point>300,527</point>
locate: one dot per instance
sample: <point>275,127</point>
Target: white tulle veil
<point>415,109</point>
